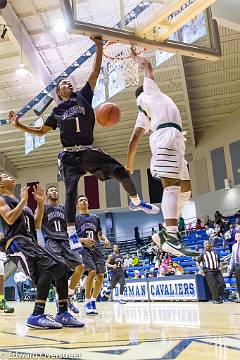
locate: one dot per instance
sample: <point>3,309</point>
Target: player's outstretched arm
<point>34,130</point>
<point>11,215</point>
<point>137,135</point>
<point>144,65</point>
<point>92,80</point>
<point>102,237</point>
<point>39,196</point>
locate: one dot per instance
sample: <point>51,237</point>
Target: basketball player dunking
<point>43,266</point>
<point>115,263</point>
<point>158,113</point>
<point>54,231</point>
<point>90,233</point>
<point>75,118</point>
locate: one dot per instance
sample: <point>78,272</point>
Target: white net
<point>119,57</point>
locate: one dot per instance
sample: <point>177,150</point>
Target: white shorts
<point>1,267</point>
<point>168,150</point>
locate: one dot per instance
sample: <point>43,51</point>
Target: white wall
<point>226,201</point>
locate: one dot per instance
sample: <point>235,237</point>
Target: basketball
<point>108,114</point>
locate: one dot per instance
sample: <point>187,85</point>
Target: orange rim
<point>111,43</point>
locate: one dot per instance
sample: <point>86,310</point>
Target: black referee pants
<point>215,282</point>
<point>237,276</point>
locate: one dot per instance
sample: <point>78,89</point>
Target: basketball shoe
<point>93,305</point>
<point>43,321</point>
<point>146,207</point>
<point>175,246</point>
<point>67,320</point>
<point>71,305</point>
<point>5,307</point>
<point>88,309</point>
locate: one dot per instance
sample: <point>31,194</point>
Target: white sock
<point>135,200</point>
<point>173,230</point>
<point>93,299</point>
<point>170,202</point>
<point>87,301</point>
<point>70,292</point>
<point>182,200</point>
<point>71,229</point>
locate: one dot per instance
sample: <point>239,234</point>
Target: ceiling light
<point>22,70</point>
<point>60,26</point>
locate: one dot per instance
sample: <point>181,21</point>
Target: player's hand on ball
<point>24,194</point>
<point>38,194</point>
<point>13,118</point>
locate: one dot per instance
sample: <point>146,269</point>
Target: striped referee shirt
<point>209,259</point>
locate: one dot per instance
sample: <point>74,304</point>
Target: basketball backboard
<point>150,24</point>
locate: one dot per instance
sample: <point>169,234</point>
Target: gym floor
<point>134,331</point>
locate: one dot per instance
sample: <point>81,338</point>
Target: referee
<point>209,262</point>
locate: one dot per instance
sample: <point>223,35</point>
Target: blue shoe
<point>43,321</point>
<point>146,207</point>
<point>93,304</point>
<point>88,309</point>
<point>71,305</point>
<point>67,320</point>
<point>74,242</point>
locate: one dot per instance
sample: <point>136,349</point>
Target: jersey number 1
<point>77,125</point>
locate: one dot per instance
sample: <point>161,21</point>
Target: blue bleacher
<point>195,237</point>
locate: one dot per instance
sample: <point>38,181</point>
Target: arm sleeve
<point>51,121</point>
<point>87,92</point>
<point>142,122</point>
<point>150,86</point>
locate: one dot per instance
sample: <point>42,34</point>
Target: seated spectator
<point>181,225</point>
<point>189,227</point>
<point>178,269</point>
<point>127,261</point>
<point>198,225</point>
<point>237,225</point>
<point>217,216</point>
<point>137,274</point>
<point>171,270</point>
<point>135,260</point>
<point>212,235</point>
<point>207,221</point>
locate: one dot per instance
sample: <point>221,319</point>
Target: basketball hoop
<point>119,55</point>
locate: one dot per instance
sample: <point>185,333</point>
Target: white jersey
<point>155,108</point>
